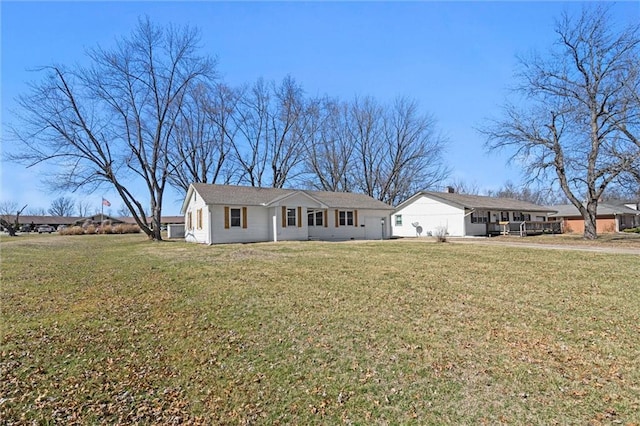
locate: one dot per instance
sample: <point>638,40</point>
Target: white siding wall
<point>293,233</point>
<point>260,223</point>
<point>475,229</point>
<point>257,226</point>
<point>194,234</point>
<point>369,227</point>
<point>175,230</point>
<point>429,214</point>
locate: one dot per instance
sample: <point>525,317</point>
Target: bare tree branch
<point>578,126</point>
<point>112,123</point>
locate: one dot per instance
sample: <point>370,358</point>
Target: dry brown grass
<point>115,329</point>
<point>622,240</point>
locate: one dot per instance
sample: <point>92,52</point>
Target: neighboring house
<point>172,220</point>
<point>460,215</point>
<point>55,221</point>
<point>610,217</point>
<point>237,214</point>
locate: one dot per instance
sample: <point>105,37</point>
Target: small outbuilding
<point>239,214</point>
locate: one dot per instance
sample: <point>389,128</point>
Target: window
<point>315,218</point>
<point>189,221</point>
<point>398,220</point>
<point>235,218</point>
<point>504,216</point>
<point>291,217</point>
<point>346,218</point>
<point>199,218</point>
<point>479,216</point>
<point>519,216</point>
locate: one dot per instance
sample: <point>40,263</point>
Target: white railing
<point>524,228</point>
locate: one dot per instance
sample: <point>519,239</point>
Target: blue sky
<point>457,59</point>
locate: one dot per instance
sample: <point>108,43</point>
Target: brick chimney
<point>450,190</point>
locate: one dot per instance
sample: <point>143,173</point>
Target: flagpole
<point>102,211</point>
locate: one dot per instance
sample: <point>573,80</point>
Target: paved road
<point>596,249</point>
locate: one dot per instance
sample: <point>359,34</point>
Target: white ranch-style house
<point>460,215</point>
<point>217,214</point>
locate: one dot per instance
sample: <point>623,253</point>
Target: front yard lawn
<point>115,329</point>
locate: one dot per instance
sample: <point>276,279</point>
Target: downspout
<point>275,226</point>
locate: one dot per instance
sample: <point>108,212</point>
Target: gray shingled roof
<point>486,203</point>
<point>39,220</point>
<point>253,196</point>
<point>569,210</point>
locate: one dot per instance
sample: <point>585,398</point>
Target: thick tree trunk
<point>9,227</point>
<point>156,219</point>
<point>157,227</point>
<point>590,230</point>
<point>12,228</point>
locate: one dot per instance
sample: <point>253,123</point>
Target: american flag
<point>106,202</point>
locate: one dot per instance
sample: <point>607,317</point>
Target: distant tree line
<point>270,134</point>
<point>532,194</point>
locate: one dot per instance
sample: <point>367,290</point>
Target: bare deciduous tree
<point>329,147</point>
<point>580,121</point>
<point>10,217</point>
<point>412,154</point>
<point>62,206</point>
<point>399,150</point>
<point>272,127</point>
<point>460,186</point>
<point>388,153</point>
<point>111,123</point>
<point>85,208</point>
<point>123,211</point>
<point>36,211</point>
<point>251,120</point>
<point>287,131</point>
<point>203,137</point>
<point>365,131</point>
<point>525,193</point>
